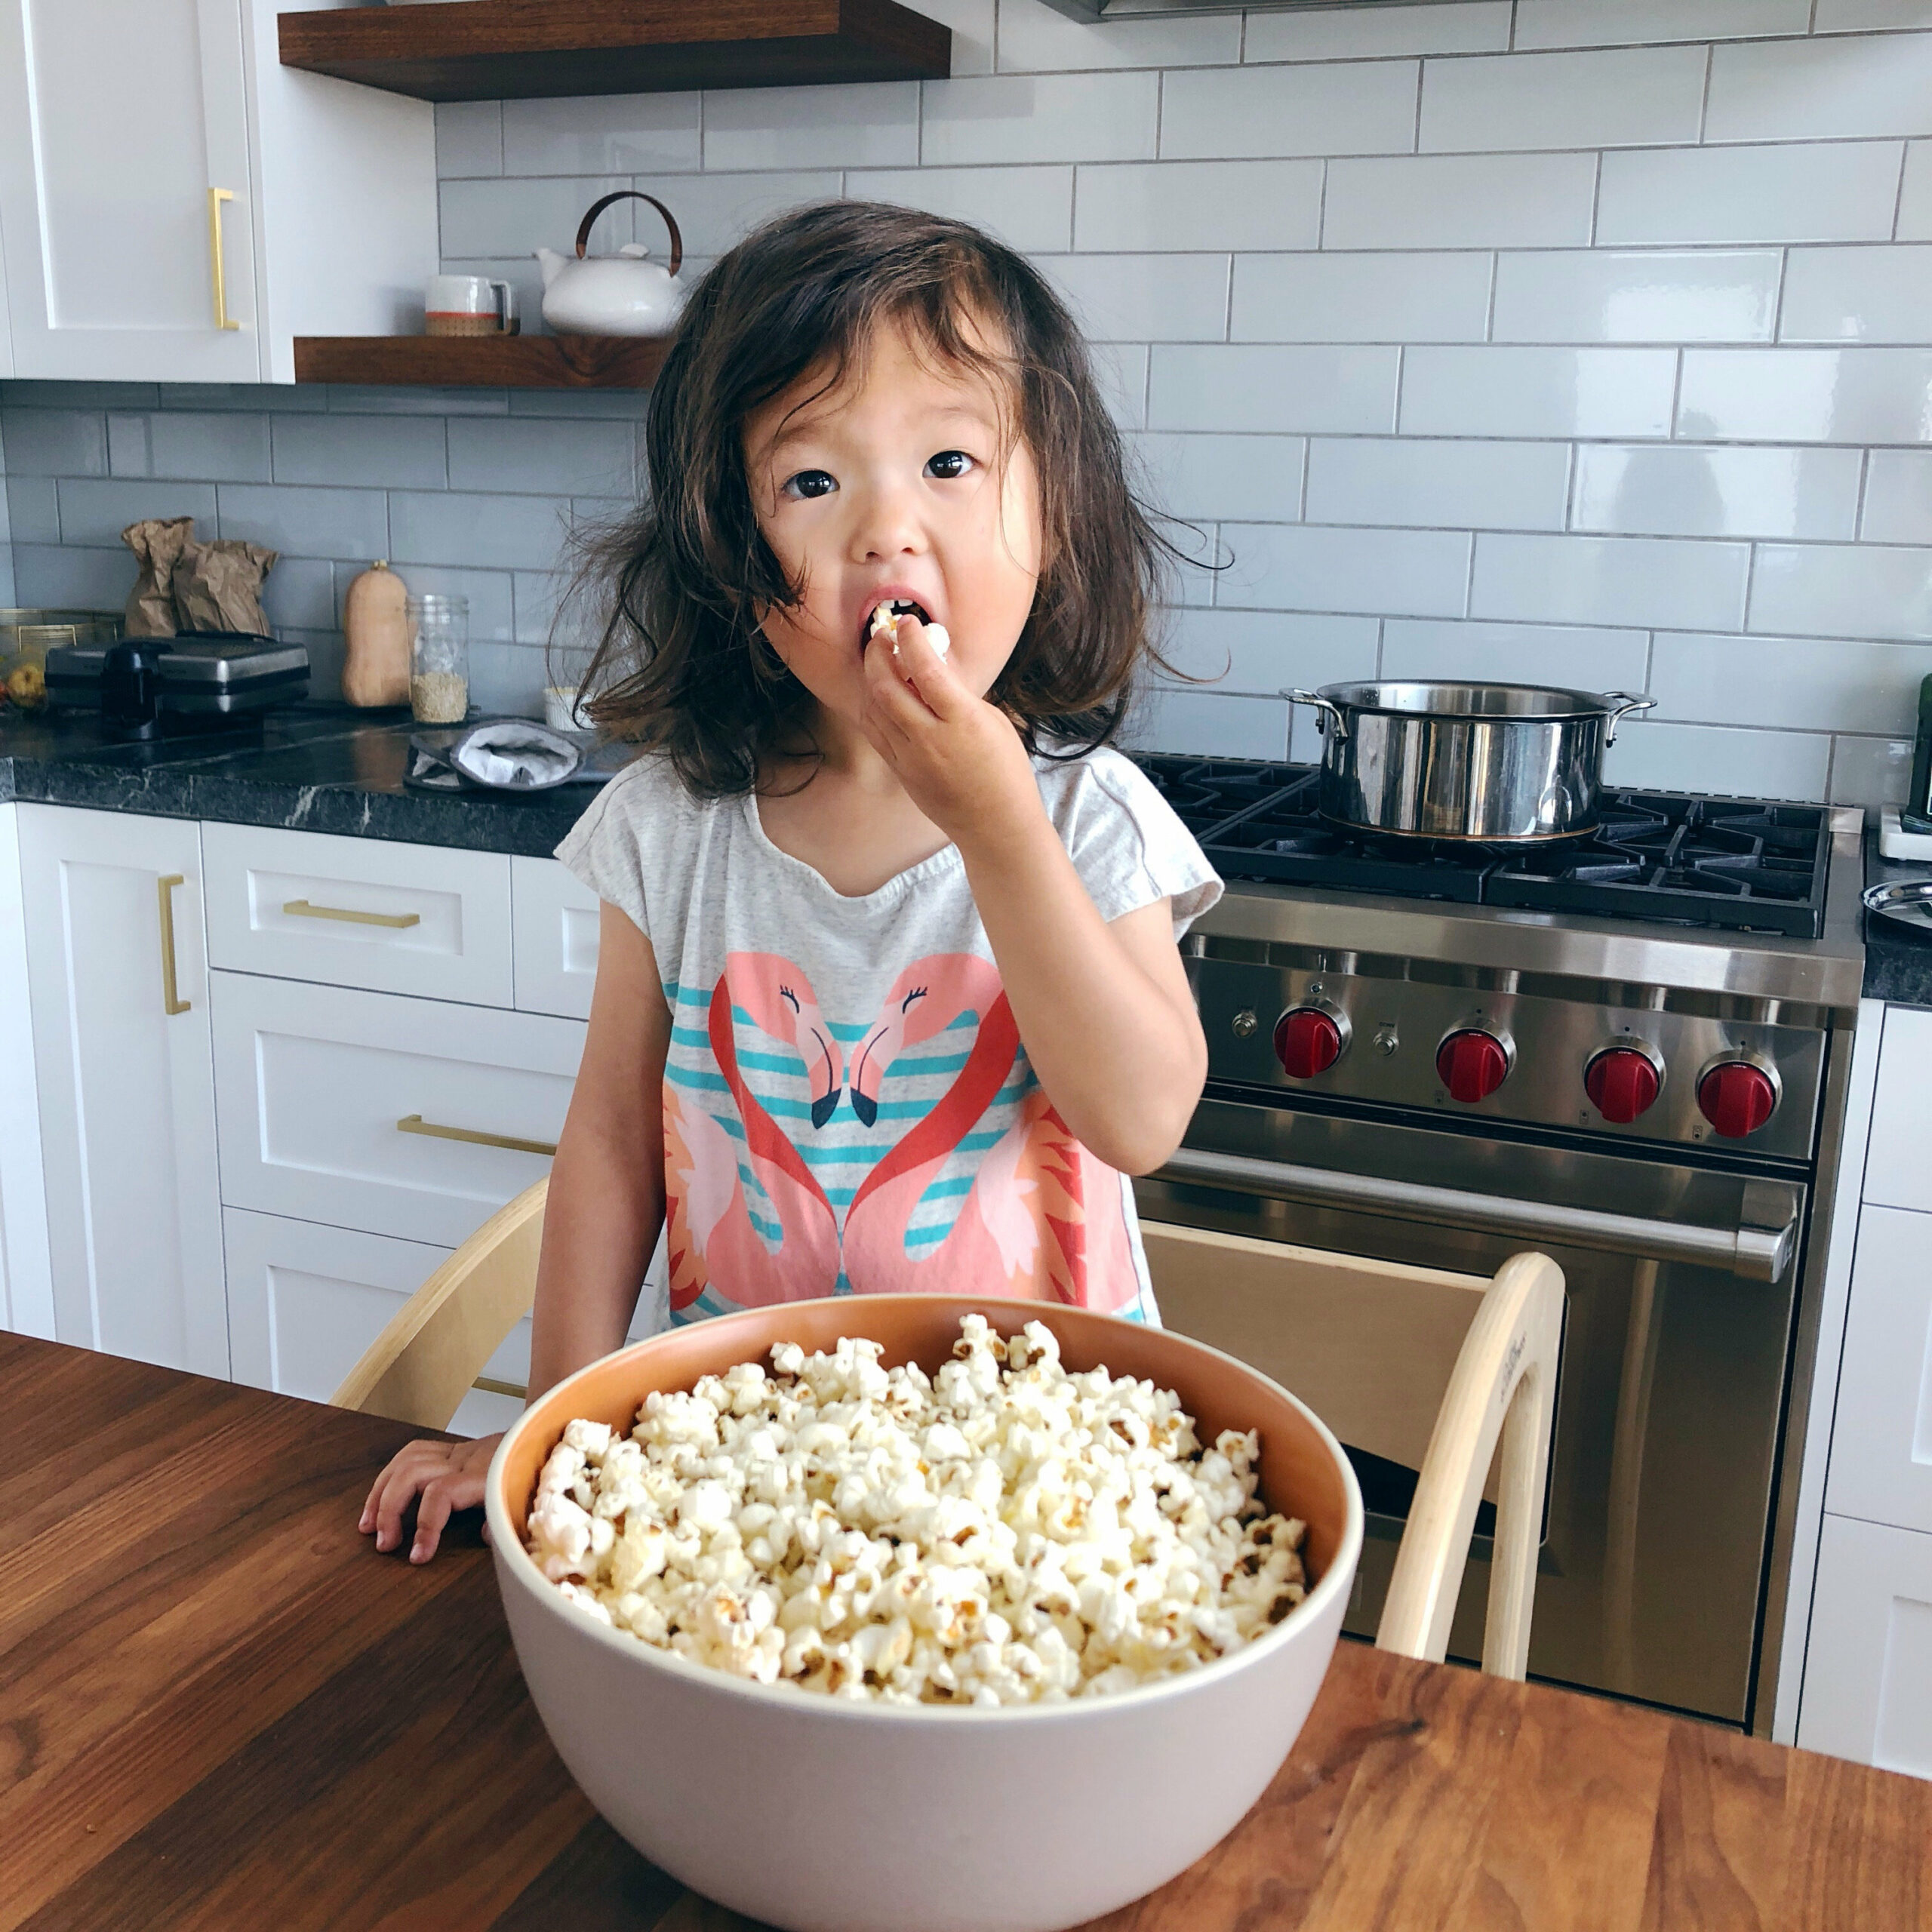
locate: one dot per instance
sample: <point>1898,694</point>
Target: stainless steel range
<point>1630,1050</point>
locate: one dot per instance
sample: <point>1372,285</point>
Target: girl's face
<point>891,486</point>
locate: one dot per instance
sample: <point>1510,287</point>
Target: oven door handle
<point>1759,1248</point>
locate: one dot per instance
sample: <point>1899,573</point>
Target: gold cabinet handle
<point>415,1123</point>
<point>490,1385</point>
<point>223,320</point>
<point>301,908</point>
<point>171,1001</point>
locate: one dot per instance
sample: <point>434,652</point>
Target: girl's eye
<point>810,483</point>
<point>949,464</point>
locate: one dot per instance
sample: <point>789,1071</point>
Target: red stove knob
<point>1622,1082</point>
<point>1737,1098</point>
<point>1472,1064</point>
<point>1307,1041</point>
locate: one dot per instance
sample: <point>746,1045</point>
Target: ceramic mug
<point>469,305</point>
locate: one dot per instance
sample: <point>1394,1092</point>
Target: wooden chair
<point>1371,1346</point>
<point>1427,1368</point>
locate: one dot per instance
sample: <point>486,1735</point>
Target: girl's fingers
<point>431,1515</point>
<point>937,689</point>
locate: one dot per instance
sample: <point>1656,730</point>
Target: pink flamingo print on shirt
<point>709,1232</point>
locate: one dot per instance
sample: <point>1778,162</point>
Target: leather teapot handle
<point>583,227</point>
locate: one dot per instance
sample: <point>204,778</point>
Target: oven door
<point>1671,1391</point>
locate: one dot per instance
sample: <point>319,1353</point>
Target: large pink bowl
<point>825,1815</point>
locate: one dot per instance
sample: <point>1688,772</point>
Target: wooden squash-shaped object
<point>375,625</point>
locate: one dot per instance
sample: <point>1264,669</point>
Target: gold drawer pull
<point>491,1386</point>
<point>301,908</point>
<point>222,319</point>
<point>415,1123</point>
<point>171,1001</point>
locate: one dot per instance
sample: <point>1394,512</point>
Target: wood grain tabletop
<point>219,1709</point>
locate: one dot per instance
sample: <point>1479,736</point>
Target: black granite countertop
<point>319,769</point>
<point>1898,965</point>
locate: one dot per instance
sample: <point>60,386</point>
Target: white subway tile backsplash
<point>1537,392</point>
<point>1029,208</point>
<point>1341,391</point>
<point>1617,98</point>
<point>1915,218</point>
<point>1613,295</point>
<point>1616,580</point>
<point>1461,202</point>
<point>1357,33</point>
<point>220,447</point>
<point>1789,684</point>
<point>1607,23</point>
<point>1842,590</point>
<point>1857,295</point>
<point>1143,298</point>
<point>299,594</point>
<point>1290,566</point>
<point>1870,772</point>
<point>469,138</point>
<point>69,576</point>
<point>1034,38</point>
<point>1853,15</point>
<point>1175,205</point>
<point>1898,497</point>
<point>1120,369</point>
<point>1824,395</point>
<point>635,134</point>
<point>498,532</point>
<point>1051,117</point>
<point>1666,489</point>
<point>1410,297</point>
<point>488,593</point>
<point>972,22</point>
<point>405,452</point>
<point>1733,763</point>
<point>715,210</point>
<point>339,525</point>
<point>53,442</point>
<point>507,678</point>
<point>1261,652</point>
<point>1467,485</point>
<point>95,511</point>
<point>586,458</point>
<point>1823,89</point>
<point>1361,107</point>
<point>512,219</point>
<point>819,127</point>
<point>130,449</point>
<point>1843,191</point>
<point>1206,477</point>
<point>1170,717</point>
<point>1590,658</point>
<point>33,509</point>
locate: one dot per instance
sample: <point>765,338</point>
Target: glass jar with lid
<point>438,658</point>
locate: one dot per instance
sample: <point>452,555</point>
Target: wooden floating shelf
<point>483,361</point>
<point>514,50</point>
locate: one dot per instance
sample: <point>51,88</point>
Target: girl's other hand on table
<point>448,1476</point>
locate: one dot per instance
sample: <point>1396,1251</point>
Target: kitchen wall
<point>1582,340</point>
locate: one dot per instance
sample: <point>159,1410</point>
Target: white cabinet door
<point>1898,1168</point>
<point>122,1050</point>
<point>116,122</point>
<point>26,1280</point>
<point>1868,1670</point>
<point>555,919</point>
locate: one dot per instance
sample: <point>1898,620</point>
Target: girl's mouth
<point>884,623</point>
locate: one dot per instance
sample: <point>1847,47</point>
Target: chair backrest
<point>421,1366</point>
<point>1418,1365</point>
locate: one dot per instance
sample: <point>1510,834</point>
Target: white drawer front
<point>1898,1168</point>
<point>1881,1439</point>
<point>1868,1665</point>
<point>312,1083</point>
<point>555,919</point>
<point>360,912</point>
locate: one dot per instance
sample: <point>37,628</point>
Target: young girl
<point>889,998</point>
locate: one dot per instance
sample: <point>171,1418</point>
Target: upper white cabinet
<point>119,992</point>
<point>176,206</point>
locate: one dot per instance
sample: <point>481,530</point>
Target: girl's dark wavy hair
<point>681,666</point>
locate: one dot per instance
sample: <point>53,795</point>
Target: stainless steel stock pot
<point>1486,763</point>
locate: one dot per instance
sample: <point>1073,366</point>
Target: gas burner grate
<point>1736,864</point>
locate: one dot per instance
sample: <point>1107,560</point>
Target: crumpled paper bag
<point>157,542</point>
<point>218,586</point>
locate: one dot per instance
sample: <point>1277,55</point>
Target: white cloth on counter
<point>514,755</point>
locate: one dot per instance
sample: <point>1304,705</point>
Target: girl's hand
<point>448,1476</point>
<point>959,757</point>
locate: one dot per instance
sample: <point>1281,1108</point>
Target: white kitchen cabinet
<point>1898,1171</point>
<point>119,991</point>
<point>1868,1683</point>
<point>556,927</point>
<point>26,1279</point>
<point>413,1118</point>
<point>121,127</point>
<point>366,912</point>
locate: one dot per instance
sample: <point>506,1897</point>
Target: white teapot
<point>620,294</point>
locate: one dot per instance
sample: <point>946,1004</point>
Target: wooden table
<point>219,1708</point>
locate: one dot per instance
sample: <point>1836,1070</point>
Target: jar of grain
<point>438,659</point>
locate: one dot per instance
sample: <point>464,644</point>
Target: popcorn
<point>1002,1533</point>
<point>885,625</point>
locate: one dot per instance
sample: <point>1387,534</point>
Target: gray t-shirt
<point>848,1106</point>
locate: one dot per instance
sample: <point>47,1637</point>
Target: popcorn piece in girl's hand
<point>885,624</point>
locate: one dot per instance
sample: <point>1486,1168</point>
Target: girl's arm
<point>1104,1008</point>
<point>601,1223</point>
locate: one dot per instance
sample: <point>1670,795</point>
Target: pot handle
<point>1328,712</point>
<point>583,227</point>
<point>1621,705</point>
